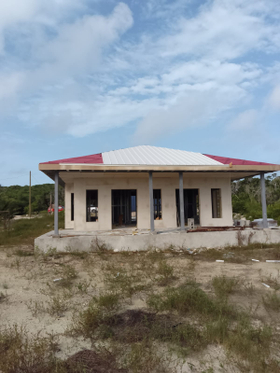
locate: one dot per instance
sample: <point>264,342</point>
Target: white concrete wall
<point>162,241</point>
<point>168,183</point>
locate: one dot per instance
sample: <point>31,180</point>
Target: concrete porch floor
<point>131,239</point>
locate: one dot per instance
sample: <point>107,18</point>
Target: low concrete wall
<point>184,240</point>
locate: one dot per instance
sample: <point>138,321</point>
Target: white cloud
<point>75,50</point>
<point>16,14</point>
<point>87,72</point>
<point>247,120</point>
<point>222,30</point>
<point>197,107</point>
<point>78,46</point>
<point>274,98</point>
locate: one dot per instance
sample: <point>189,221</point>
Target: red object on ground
<point>93,158</point>
<point>60,208</point>
<point>237,162</point>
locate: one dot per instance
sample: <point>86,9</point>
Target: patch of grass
<point>145,357</point>
<point>249,342</point>
<point>2,296</point>
<point>57,305</point>
<point>155,255</point>
<point>223,286</point>
<point>118,280</point>
<point>249,288</point>
<point>83,286</point>
<point>273,282</point>
<point>243,254</point>
<point>217,330</point>
<point>36,307</point>
<point>137,325</point>
<point>188,298</point>
<point>79,254</point>
<point>166,273</point>
<point>272,301</point>
<point>22,353</point>
<point>97,314</point>
<point>184,336</point>
<point>69,274</point>
<point>24,231</point>
<point>24,253</point>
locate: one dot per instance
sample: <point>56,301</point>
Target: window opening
<point>216,203</point>
<point>124,207</point>
<point>72,206</point>
<point>92,205</point>
<point>157,204</point>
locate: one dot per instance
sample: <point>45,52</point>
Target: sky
<point>83,77</point>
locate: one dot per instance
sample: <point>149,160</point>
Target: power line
<point>14,177</point>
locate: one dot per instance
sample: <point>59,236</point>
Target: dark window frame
<point>157,202</point>
<point>216,202</point>
<point>91,205</point>
<point>72,206</point>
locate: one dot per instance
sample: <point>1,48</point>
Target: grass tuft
<point>166,273</point>
<point>272,301</point>
<point>188,298</point>
<point>223,286</point>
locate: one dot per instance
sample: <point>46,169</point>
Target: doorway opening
<point>124,208</point>
<point>191,206</point>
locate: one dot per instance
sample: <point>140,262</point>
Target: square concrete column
<point>56,203</point>
<point>181,200</point>
<point>151,195</point>
<point>263,196</point>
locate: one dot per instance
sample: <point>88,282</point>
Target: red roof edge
<point>237,162</point>
<point>94,159</point>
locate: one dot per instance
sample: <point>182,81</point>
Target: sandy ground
<point>29,292</point>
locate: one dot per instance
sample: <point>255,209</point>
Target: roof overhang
<point>235,171</point>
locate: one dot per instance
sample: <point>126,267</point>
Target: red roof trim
<point>237,162</point>
<point>92,159</point>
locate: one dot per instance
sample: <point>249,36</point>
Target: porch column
<point>263,195</point>
<point>181,200</point>
<point>151,195</point>
<point>56,203</point>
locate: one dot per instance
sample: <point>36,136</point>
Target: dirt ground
<point>45,293</point>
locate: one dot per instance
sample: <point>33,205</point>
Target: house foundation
<point>131,240</point>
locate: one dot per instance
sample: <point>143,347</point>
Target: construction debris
<point>57,279</point>
<point>272,261</point>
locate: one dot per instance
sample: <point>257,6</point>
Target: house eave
<point>157,168</point>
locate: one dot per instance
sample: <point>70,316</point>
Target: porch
<point>129,239</point>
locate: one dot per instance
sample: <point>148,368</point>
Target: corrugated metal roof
<point>237,161</point>
<point>87,159</point>
<point>153,155</point>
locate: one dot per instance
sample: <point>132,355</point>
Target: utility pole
<point>29,194</point>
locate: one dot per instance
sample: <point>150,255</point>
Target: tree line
<point>15,199</point>
<point>246,197</point>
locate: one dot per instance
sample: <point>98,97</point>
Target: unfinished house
<point>149,187</point>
